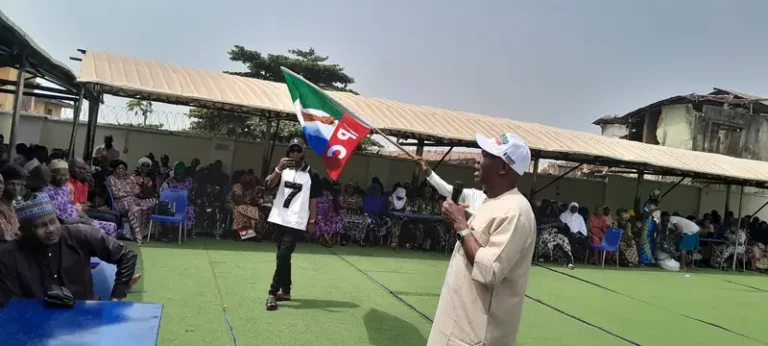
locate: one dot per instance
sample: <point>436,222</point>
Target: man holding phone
<point>293,212</point>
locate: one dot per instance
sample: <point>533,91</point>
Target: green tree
<point>307,63</point>
<point>140,107</point>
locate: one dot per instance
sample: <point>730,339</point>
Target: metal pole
<point>558,178</point>
<point>532,196</point>
<point>638,202</point>
<point>759,209</point>
<point>90,135</point>
<point>17,104</point>
<point>727,200</point>
<point>738,229</point>
<point>75,123</point>
<point>265,158</point>
<point>671,188</point>
<point>275,134</point>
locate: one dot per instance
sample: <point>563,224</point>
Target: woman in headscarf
<point>355,223</point>
<point>552,240</point>
<point>431,231</point>
<point>375,208</point>
<point>329,224</point>
<point>598,225</point>
<point>129,200</point>
<point>180,180</point>
<point>735,245</point>
<point>649,227</point>
<point>244,200</point>
<point>397,201</point>
<point>627,245</point>
<point>165,169</point>
<point>577,227</point>
<point>11,185</point>
<point>146,181</point>
<point>61,198</point>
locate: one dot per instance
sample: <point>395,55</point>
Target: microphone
<point>458,188</point>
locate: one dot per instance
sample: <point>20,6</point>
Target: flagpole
<point>352,113</point>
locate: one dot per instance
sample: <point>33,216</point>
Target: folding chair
<point>611,240</point>
<point>179,197</point>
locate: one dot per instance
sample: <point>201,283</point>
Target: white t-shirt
<point>291,205</point>
<point>688,227</point>
<point>471,197</point>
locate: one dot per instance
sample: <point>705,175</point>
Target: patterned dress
<point>627,245</point>
<point>553,244</point>
<point>355,222</point>
<point>328,221</point>
<point>125,191</point>
<point>66,210</point>
<point>647,246</point>
<point>189,185</point>
<point>9,224</point>
<point>244,215</point>
<point>729,249</point>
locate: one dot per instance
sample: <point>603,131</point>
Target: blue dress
<point>647,247</point>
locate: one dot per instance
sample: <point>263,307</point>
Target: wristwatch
<point>460,235</point>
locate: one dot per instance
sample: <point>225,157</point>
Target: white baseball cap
<point>510,148</point>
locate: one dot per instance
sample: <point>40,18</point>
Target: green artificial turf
<point>345,296</point>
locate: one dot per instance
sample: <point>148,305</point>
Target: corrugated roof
<point>160,81</point>
<point>12,37</point>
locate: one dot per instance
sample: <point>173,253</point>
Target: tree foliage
<point>140,108</point>
<point>308,63</point>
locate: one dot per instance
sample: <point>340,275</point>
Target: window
<point>726,139</point>
<point>48,111</point>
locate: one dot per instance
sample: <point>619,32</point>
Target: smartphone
<point>290,163</point>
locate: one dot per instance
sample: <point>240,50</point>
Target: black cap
<point>297,141</point>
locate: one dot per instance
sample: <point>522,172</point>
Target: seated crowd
<point>568,232</point>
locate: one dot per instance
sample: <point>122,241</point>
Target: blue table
<point>27,322</point>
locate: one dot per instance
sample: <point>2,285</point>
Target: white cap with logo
<point>510,148</point>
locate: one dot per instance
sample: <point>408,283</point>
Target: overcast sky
<point>560,63</point>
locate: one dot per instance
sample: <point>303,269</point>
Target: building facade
<point>30,104</point>
<point>723,121</point>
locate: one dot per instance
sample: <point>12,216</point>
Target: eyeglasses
<point>295,150</point>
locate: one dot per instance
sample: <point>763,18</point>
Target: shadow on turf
<point>385,329</point>
<point>204,243</point>
<point>318,304</point>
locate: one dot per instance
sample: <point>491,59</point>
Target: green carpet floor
<point>213,290</point>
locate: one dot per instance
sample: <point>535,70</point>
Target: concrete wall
<point>614,130</point>
<point>615,191</point>
<point>674,127</point>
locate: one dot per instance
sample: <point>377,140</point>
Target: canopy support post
<point>17,104</point>
<point>442,158</point>
<point>532,195</point>
<point>738,229</point>
<point>75,123</point>
<point>638,197</point>
<point>90,133</point>
<point>759,209</point>
<point>267,154</point>
<point>275,134</point>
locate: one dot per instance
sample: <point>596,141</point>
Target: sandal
<point>570,266</point>
<point>282,297</point>
<point>271,303</point>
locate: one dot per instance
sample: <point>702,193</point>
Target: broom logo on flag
<point>333,131</point>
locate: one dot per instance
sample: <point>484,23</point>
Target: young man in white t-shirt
<point>293,212</point>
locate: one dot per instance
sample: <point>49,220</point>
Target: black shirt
<point>28,268</point>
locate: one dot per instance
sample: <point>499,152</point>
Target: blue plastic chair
<point>111,198</point>
<point>611,240</point>
<point>179,197</point>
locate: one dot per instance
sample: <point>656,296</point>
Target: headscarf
<point>247,179</point>
<point>399,198</point>
<point>145,161</point>
<point>117,163</point>
<point>35,205</point>
<point>12,172</point>
<point>574,221</point>
<point>179,167</point>
<point>354,185</point>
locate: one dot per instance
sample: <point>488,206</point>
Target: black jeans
<point>286,238</point>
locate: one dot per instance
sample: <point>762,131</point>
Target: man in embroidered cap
<point>49,253</point>
<point>482,296</point>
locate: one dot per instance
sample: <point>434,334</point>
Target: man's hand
<point>454,215</point>
<point>425,166</point>
<point>311,228</point>
<point>285,162</point>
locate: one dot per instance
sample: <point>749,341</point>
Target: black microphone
<point>458,188</point>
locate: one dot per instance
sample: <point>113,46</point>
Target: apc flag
<point>332,131</point>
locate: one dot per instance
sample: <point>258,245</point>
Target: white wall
<point>616,191</point>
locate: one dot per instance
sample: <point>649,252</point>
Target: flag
<point>332,131</point>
